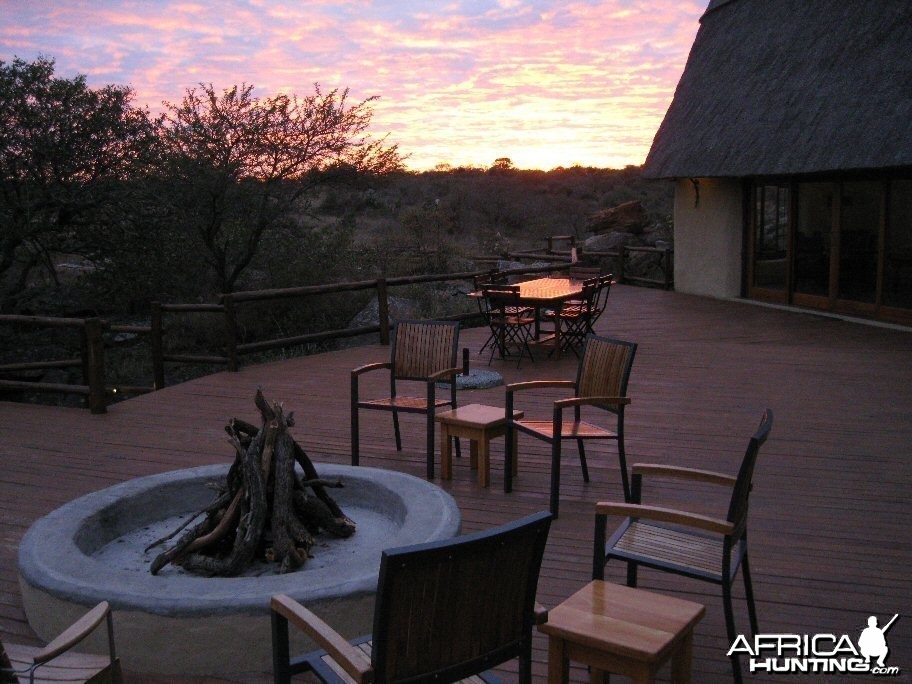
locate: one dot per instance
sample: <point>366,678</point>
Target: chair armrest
<point>351,659</point>
<point>447,372</point>
<point>668,515</point>
<point>371,367</point>
<point>73,634</point>
<point>679,472</point>
<point>593,401</point>
<point>538,384</point>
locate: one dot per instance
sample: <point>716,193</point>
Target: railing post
<point>383,311</point>
<point>230,332</point>
<point>622,252</point>
<point>94,363</point>
<point>465,361</point>
<point>157,345</point>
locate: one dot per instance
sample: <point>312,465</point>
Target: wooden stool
<point>480,424</point>
<point>613,628</point>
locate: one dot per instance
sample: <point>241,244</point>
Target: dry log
<point>263,509</point>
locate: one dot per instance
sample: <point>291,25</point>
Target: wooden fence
<point>92,348</point>
<point>90,360</point>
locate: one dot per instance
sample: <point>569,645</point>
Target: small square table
<point>480,424</point>
<point>614,628</point>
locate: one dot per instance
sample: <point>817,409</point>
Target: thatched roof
<point>788,87</point>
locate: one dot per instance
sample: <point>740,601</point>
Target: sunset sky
<point>546,83</point>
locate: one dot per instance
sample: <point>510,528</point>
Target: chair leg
<point>525,668</point>
<point>510,438</point>
<point>355,444</point>
<point>430,444</point>
<point>622,459</point>
<point>396,431</point>
<point>730,627</point>
<point>555,475</point>
<point>582,455</point>
<point>749,592</point>
<point>631,574</point>
<point>281,673</point>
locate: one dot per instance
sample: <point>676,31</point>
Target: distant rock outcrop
<point>629,217</point>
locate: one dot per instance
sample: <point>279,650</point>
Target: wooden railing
<point>91,359</point>
<point>621,258</point>
<point>92,353</point>
<point>228,304</point>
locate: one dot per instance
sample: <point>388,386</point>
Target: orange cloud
<point>546,83</point>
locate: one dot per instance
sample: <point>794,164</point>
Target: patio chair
<point>421,351</point>
<point>601,383</point>
<point>511,323</point>
<point>492,278</point>
<point>572,322</point>
<point>443,611</point>
<point>697,546</point>
<point>600,300</point>
<point>56,662</point>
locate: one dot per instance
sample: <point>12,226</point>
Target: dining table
<point>547,292</point>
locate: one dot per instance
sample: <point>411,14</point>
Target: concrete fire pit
<point>92,549</point>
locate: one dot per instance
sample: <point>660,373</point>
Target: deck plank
<point>830,509</point>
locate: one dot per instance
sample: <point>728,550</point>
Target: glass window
<point>771,221</point>
<point>812,238</point>
<point>897,285</point>
<point>859,230</point>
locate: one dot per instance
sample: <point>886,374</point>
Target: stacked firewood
<point>264,510</point>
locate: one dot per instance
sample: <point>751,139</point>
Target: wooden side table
<point>480,424</point>
<point>614,628</point>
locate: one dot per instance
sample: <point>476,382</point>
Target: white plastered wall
<point>707,237</point>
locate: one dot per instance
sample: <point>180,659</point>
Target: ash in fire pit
<point>263,510</point>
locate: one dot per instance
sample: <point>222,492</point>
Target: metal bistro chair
<point>601,383</point>
<point>443,611</point>
<point>697,546</point>
<point>572,321</point>
<point>56,662</point>
<point>510,322</point>
<point>421,351</point>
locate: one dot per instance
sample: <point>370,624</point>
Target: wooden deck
<point>830,513</point>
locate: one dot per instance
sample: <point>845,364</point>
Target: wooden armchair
<point>601,383</point>
<point>443,611</point>
<point>697,546</point>
<point>421,351</point>
<point>57,663</point>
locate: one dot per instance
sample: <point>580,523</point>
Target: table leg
<point>681,660</point>
<point>558,662</point>
<point>473,453</point>
<point>484,463</point>
<point>446,454</point>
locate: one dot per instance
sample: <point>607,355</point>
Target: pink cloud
<point>545,83</point>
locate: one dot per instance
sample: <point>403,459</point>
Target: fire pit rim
<point>50,557</point>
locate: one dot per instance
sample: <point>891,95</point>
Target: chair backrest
<point>583,272</point>
<point>453,608</point>
<point>420,348</point>
<point>605,367</point>
<point>499,297</point>
<point>604,287</point>
<point>585,304</point>
<point>737,509</point>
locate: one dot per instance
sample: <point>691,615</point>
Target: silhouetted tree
<point>64,150</point>
<point>244,167</point>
